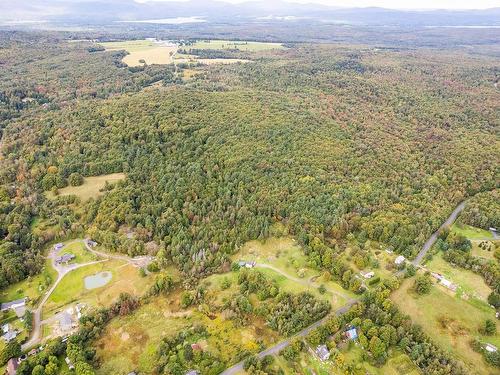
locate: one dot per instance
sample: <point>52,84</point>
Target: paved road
<point>428,244</point>
<point>237,368</point>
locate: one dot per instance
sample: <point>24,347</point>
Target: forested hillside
<point>327,140</point>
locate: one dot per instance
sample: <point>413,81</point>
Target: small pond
<point>97,280</point>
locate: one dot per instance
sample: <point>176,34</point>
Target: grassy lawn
<point>33,287</point>
<point>150,52</point>
<point>91,187</point>
<point>451,322</point>
<point>488,253</point>
<point>294,287</point>
<point>125,278</point>
<point>470,283</point>
<point>472,233</point>
<point>287,256</point>
<point>241,45</point>
<point>80,251</point>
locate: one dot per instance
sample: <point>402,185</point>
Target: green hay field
<point>150,52</point>
<point>451,322</point>
<point>235,44</point>
<point>90,188</point>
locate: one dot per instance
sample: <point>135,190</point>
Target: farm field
<point>91,187</point>
<point>125,278</point>
<point>451,321</point>
<point>472,233</point>
<point>130,342</point>
<point>469,282</point>
<point>149,51</point>
<point>194,59</point>
<point>235,44</point>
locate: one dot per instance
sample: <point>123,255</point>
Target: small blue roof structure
<point>352,334</point>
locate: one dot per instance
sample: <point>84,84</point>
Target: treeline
<point>482,210</point>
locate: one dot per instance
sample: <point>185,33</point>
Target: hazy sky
<point>397,4</point>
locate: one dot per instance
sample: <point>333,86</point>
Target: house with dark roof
<point>65,258</point>
<point>9,336</point>
<point>13,304</point>
<point>322,352</point>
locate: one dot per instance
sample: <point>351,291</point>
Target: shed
<point>352,334</point>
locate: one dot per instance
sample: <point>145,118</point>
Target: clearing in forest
<point>240,45</point>
<point>91,187</point>
<point>131,342</point>
<point>472,233</point>
<point>143,51</point>
<point>283,259</point>
<point>451,321</point>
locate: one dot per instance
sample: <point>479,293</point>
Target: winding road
<point>238,368</point>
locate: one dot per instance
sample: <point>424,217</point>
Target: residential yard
<point>146,50</point>
<point>82,255</point>
<point>125,278</point>
<point>451,322</point>
<point>470,283</point>
<point>33,287</point>
<point>91,187</point>
<point>472,233</point>
<point>398,364</point>
<point>235,44</point>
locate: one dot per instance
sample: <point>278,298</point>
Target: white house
<point>399,260</point>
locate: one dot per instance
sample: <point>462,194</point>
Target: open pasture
<point>130,342</point>
<point>241,45</point>
<point>451,322</point>
<point>469,282</point>
<point>91,187</point>
<point>141,51</point>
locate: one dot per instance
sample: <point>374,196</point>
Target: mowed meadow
<point>143,51</point>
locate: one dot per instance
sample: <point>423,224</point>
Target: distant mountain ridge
<point>105,11</point>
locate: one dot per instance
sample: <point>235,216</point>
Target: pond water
<point>97,280</point>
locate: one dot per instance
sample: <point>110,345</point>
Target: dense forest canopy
<point>328,140</point>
